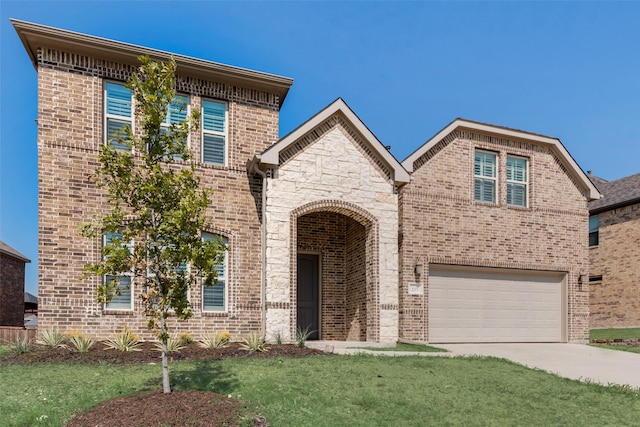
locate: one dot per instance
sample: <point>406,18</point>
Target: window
<point>214,132</point>
<point>117,113</point>
<point>517,181</point>
<point>178,112</point>
<point>124,300</point>
<point>485,177</point>
<point>214,297</point>
<point>594,233</point>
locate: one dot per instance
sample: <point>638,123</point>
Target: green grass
<point>614,333</point>
<point>401,346</point>
<point>334,391</point>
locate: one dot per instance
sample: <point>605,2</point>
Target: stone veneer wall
<point>442,224</point>
<point>333,172</point>
<point>70,133</point>
<point>615,300</point>
<point>11,291</point>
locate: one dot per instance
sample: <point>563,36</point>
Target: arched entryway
<point>334,285</point>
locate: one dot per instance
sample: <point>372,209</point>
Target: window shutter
<point>118,100</point>
<point>178,110</point>
<point>213,149</point>
<point>122,301</point>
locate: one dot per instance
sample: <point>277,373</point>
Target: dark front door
<point>308,294</point>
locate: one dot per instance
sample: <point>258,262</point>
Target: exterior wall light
<point>417,269</point>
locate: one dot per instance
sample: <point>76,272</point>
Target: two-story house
<point>325,228</point>
<point>614,252</point>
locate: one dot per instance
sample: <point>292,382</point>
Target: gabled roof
<point>271,156</point>
<point>8,250</point>
<point>553,143</point>
<point>615,194</point>
<point>35,35</point>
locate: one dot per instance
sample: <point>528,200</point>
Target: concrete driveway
<point>576,361</point>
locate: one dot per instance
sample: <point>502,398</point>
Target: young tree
<point>156,208</point>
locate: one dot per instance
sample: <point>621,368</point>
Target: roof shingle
<point>618,193</point>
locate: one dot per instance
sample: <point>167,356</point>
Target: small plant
<point>173,345</point>
<point>80,341</point>
<point>254,342</point>
<point>51,338</point>
<point>302,334</point>
<point>21,345</point>
<point>215,340</point>
<point>185,338</point>
<point>124,341</point>
<point>277,338</point>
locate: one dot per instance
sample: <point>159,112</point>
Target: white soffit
<point>272,154</point>
<point>553,143</point>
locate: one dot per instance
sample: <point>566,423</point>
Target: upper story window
<point>177,113</point>
<point>123,298</point>
<point>517,181</point>
<point>214,132</point>
<point>117,112</point>
<point>594,231</point>
<point>485,172</point>
<point>214,298</point>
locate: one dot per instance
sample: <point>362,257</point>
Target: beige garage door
<point>495,305</point>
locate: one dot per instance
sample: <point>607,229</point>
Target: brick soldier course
<point>329,188</point>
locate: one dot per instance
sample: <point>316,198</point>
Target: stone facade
<point>615,266</point>
<point>441,223</point>
<point>11,289</point>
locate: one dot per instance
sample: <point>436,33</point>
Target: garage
<point>495,305</point>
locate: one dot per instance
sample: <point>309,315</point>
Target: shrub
<point>124,341</point>
<point>51,338</point>
<point>254,342</point>
<point>80,341</point>
<point>185,338</point>
<point>173,345</point>
<point>215,340</point>
<point>301,336</point>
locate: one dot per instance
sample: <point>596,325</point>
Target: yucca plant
<point>124,341</point>
<point>215,340</point>
<point>51,338</point>
<point>254,342</point>
<point>302,334</point>
<point>21,345</point>
<point>81,342</point>
<point>173,345</point>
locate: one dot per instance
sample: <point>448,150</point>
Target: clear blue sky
<point>565,69</point>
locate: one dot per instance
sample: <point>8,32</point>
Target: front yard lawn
<point>614,333</point>
<point>333,391</point>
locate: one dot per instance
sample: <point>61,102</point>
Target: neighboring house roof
<point>615,194</point>
<point>30,299</point>
<point>553,143</point>
<point>35,35</point>
<point>271,156</point>
<point>8,250</point>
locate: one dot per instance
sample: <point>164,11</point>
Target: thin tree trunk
<point>166,384</point>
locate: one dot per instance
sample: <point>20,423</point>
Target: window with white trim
<point>517,181</point>
<point>214,298</point>
<point>122,300</point>
<point>117,113</point>
<point>594,231</point>
<point>176,114</point>
<point>214,132</point>
<point>485,173</point>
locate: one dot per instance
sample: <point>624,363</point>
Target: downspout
<point>263,244</point>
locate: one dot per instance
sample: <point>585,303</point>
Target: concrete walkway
<point>575,361</point>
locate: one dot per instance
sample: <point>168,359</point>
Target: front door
<point>308,294</point>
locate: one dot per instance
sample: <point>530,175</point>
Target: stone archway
<point>343,238</point>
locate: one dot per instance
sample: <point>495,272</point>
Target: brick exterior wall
<point>442,224</point>
<point>70,122</point>
<point>615,301</point>
<point>11,291</point>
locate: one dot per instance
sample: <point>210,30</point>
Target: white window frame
<point>108,116</point>
<point>224,134</point>
<point>524,184</point>
<point>166,123</point>
<point>224,277</point>
<point>125,274</point>
<point>485,177</point>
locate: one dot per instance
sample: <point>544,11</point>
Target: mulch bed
<point>177,409</point>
